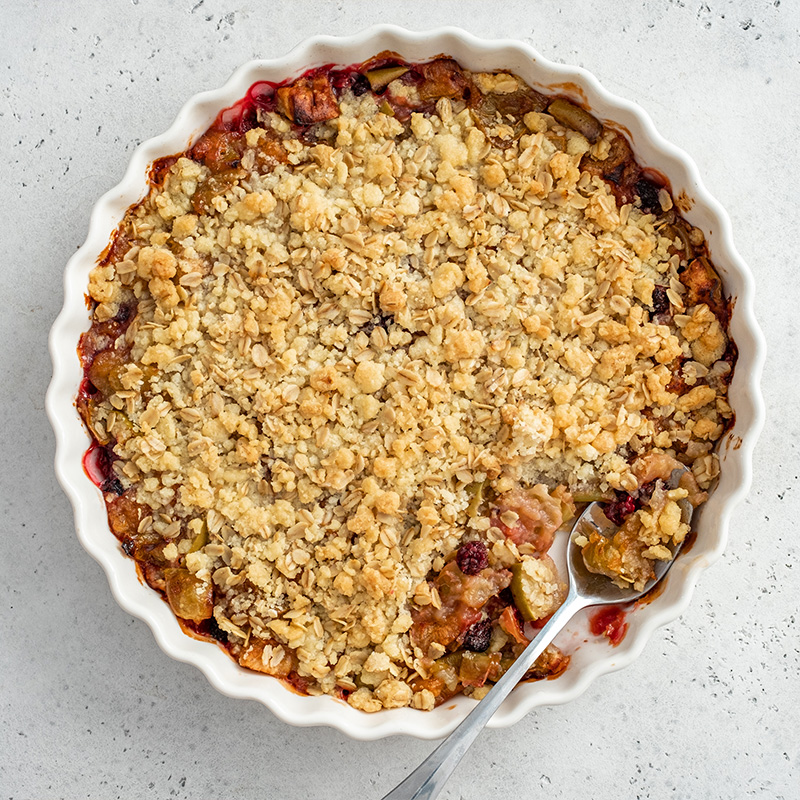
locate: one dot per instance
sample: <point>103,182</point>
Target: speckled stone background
<point>91,708</point>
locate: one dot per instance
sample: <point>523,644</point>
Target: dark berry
<point>660,300</point>
<point>129,546</point>
<point>214,630</point>
<point>378,321</point>
<point>496,605</point>
<point>360,84</point>
<point>643,494</point>
<point>478,636</point>
<point>620,509</point>
<point>661,305</point>
<point>124,313</point>
<point>112,485</point>
<point>472,557</point>
<point>507,596</point>
<point>648,195</point>
<point>615,175</point>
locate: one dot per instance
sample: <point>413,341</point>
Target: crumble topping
<point>341,339</point>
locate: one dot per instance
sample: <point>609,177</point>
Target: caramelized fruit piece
<point>477,668</point>
<point>476,491</point>
<point>270,151</point>
<point>619,168</point>
<point>106,369</point>
<point>214,185</point>
<point>551,663</point>
<point>379,79</point>
<point>124,516</point>
<point>280,661</point>
<point>462,598</point>
<point>539,515</point>
<point>704,286</point>
<point>200,540</point>
<point>619,155</point>
<point>443,681</point>
<point>153,575</point>
<point>443,78</point>
<point>436,686</point>
<point>495,112</point>
<point>218,150</point>
<point>649,467</point>
<point>620,556</point>
<point>592,496</point>
<point>188,596</point>
<point>308,100</point>
<point>146,548</point>
<point>510,622</point>
<point>571,116</point>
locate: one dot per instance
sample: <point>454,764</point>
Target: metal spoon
<point>585,589</point>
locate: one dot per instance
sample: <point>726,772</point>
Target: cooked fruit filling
<point>364,349</point>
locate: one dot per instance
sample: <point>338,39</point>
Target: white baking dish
<point>590,657</point>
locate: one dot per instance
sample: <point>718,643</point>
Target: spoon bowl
<point>598,586</point>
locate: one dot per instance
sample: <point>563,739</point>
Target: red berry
<point>620,509</point>
<point>472,557</point>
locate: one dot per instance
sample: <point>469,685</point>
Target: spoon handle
<point>428,779</point>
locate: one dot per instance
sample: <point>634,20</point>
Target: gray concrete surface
<point>91,708</point>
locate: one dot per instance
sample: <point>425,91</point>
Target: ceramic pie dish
<point>589,657</point>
